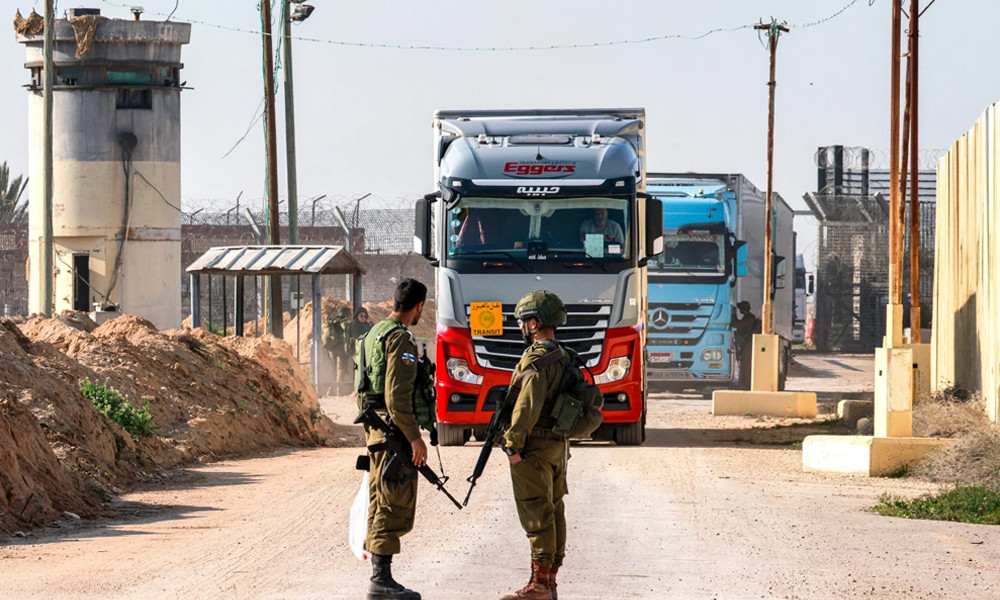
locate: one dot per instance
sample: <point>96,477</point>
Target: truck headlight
<point>458,369</point>
<point>711,355</point>
<point>617,369</point>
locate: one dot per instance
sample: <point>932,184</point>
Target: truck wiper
<point>584,253</point>
<point>502,252</point>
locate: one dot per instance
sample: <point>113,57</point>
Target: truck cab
<point>689,287</point>
<point>530,200</point>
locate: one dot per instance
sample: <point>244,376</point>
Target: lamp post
<point>302,12</point>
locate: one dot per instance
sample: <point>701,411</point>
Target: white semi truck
<point>529,200</point>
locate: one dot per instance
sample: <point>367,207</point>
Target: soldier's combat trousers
<point>539,486</point>
<point>391,506</point>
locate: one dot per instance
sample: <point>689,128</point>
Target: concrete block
<point>766,357</point>
<point>777,404</point>
<point>864,455</point>
<point>921,369</point>
<point>893,413</point>
<point>850,411</point>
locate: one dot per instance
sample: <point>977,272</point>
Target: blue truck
<point>713,257</point>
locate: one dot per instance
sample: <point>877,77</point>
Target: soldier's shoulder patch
<point>408,358</point>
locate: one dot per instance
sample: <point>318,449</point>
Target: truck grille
<point>678,323</point>
<point>584,332</point>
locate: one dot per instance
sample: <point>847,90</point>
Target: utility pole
<point>774,31</point>
<point>293,199</point>
<point>894,334</point>
<point>47,233</point>
<point>913,65</point>
<point>275,318</point>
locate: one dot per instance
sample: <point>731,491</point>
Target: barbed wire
<point>854,158</point>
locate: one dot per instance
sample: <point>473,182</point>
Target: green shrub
<point>137,422</point>
<point>964,504</point>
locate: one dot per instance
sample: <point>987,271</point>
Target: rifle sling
<point>535,366</point>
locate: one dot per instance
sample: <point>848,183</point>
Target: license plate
<point>661,358</point>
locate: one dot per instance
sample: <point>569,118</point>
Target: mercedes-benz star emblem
<point>659,318</point>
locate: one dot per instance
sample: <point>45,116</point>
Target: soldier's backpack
<point>577,410</point>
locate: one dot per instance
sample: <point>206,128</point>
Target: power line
<point>574,46</point>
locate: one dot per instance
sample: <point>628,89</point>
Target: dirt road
<point>687,515</point>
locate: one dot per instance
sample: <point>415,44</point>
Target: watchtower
<point>116,165</point>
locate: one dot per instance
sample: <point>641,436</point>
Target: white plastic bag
<point>359,521</point>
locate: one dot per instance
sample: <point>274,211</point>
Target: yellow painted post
<point>766,358</point>
<point>893,392</point>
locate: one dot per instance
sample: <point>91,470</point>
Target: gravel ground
<point>709,507</point>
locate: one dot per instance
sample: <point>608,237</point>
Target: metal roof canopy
<point>276,260</point>
<point>281,261</point>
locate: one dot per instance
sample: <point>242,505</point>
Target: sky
<point>363,112</point>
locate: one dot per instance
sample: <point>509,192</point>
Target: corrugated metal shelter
<point>256,261</point>
<point>965,342</point>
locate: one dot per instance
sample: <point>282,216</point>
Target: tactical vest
<point>373,345</point>
<point>374,360</point>
<point>545,419</point>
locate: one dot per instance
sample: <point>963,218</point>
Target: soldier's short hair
<point>409,293</point>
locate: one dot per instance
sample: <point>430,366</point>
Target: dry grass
<point>974,458</point>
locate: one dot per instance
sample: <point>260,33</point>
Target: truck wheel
<point>631,434</point>
<point>451,435</point>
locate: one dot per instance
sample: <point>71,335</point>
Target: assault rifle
<point>494,432</point>
<point>400,450</point>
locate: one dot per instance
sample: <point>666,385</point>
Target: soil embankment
<point>209,396</point>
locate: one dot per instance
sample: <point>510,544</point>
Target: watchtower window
<point>128,99</point>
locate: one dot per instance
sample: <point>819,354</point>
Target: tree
<point>12,210</point>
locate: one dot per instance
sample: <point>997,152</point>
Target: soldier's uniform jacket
<point>533,407</point>
<point>399,378</point>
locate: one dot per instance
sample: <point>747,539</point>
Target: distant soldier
<point>389,384</point>
<point>334,343</point>
<point>357,328</point>
<point>743,330</point>
<point>538,455</point>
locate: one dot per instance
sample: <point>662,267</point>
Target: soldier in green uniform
<point>537,455</point>
<point>743,330</point>
<point>391,367</point>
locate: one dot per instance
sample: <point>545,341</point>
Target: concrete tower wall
<point>116,169</point>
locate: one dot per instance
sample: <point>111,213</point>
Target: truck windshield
<point>691,250</point>
<point>540,229</point>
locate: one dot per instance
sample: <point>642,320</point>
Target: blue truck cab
<point>690,285</point>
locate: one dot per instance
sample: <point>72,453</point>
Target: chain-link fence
<point>852,269</point>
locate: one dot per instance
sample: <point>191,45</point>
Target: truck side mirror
<point>741,258</point>
<point>779,272</point>
<point>422,231</point>
<point>654,227</point>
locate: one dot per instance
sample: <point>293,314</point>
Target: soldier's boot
<point>538,585</point>
<point>552,582</point>
<point>383,586</point>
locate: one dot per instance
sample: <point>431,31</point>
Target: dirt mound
<point>208,396</point>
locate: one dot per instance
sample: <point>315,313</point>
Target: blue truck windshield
<point>533,230</point>
<point>693,251</point>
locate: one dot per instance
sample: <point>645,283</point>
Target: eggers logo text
<point>517,168</point>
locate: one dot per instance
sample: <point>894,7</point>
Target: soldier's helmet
<point>542,305</point>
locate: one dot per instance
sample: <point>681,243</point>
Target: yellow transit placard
<point>486,318</point>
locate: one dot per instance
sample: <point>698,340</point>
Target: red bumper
<point>470,410</point>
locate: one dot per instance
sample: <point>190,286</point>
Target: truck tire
<point>631,434</point>
<point>452,435</point>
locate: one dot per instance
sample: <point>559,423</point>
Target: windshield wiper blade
<point>583,253</point>
<point>501,252</point>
